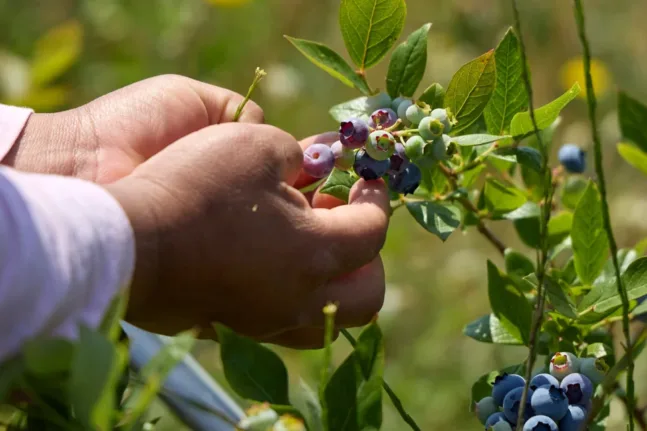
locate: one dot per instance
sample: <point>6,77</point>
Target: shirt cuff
<point>12,122</point>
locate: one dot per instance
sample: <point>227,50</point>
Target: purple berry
<point>550,401</point>
<point>512,405</point>
<point>353,133</point>
<point>344,156</point>
<point>494,419</point>
<point>369,168</point>
<point>318,160</point>
<point>540,423</point>
<point>406,181</point>
<point>380,145</point>
<point>504,384</point>
<point>574,419</point>
<point>543,379</point>
<point>578,388</point>
<point>399,159</point>
<point>383,118</point>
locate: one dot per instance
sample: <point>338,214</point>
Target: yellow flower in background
<point>229,3</point>
<point>573,71</point>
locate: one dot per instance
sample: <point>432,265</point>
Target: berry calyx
<point>443,116</point>
<point>578,388</point>
<point>540,423</point>
<point>562,364</point>
<point>383,118</point>
<point>353,133</point>
<point>380,145</point>
<point>430,129</point>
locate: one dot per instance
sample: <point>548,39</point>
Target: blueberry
<point>578,388</point>
<point>430,129</point>
<point>402,111</point>
<point>504,384</point>
<point>318,160</point>
<point>540,423</point>
<point>414,147</point>
<point>406,181</point>
<point>495,418</point>
<point>344,156</point>
<point>593,368</point>
<point>550,401</point>
<point>543,379</point>
<point>353,133</point>
<point>501,426</point>
<point>415,113</point>
<point>441,115</point>
<point>380,145</point>
<point>395,104</point>
<point>512,405</point>
<point>383,118</point>
<point>485,408</point>
<point>369,168</point>
<point>564,363</point>
<point>574,419</point>
<point>398,159</point>
<point>573,158</point>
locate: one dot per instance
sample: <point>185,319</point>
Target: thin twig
<point>639,414</point>
<point>482,228</point>
<point>599,170</point>
<point>258,76</point>
<point>394,398</point>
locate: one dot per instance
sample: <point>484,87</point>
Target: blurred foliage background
<point>59,54</point>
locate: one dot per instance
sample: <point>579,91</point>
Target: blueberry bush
<point>459,156</point>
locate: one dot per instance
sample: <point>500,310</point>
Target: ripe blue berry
<point>574,419</point>
<point>504,384</point>
<point>402,111</point>
<point>573,158</point>
<point>353,133</point>
<point>494,419</point>
<point>395,104</point>
<point>415,113</point>
<point>318,160</point>
<point>380,145</point>
<point>550,401</point>
<point>543,379</point>
<point>399,159</point>
<point>344,156</point>
<point>562,364</point>
<point>414,147</point>
<point>430,129</point>
<point>369,168</point>
<point>383,118</point>
<point>485,408</point>
<point>540,423</point>
<point>578,388</point>
<point>593,368</point>
<point>512,405</point>
<point>441,115</point>
<point>406,181</point>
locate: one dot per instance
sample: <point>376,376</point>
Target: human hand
<point>107,138</point>
<point>222,235</point>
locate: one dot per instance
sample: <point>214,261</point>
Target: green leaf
<point>47,356</point>
<point>632,116</point>
<point>433,96</point>
<point>560,299</point>
<point>517,264</point>
<point>488,329</point>
<point>110,325</point>
<point>508,304</point>
<point>640,309</point>
<point>433,179</point>
<point>104,410</point>
<point>56,52</point>
<point>408,63</point>
<point>92,369</point>
<point>331,62</point>
<point>470,90</point>
<point>439,219</point>
<point>360,107</point>
<point>521,124</point>
<point>573,190</point>
<point>477,139</point>
<point>634,156</point>
<point>313,407</point>
<point>370,28</point>
<point>590,243</point>
<point>340,394</point>
<point>369,357</point>
<point>338,184</point>
<point>559,227</point>
<point>10,371</point>
<point>525,211</point>
<point>501,198</point>
<point>253,371</point>
<point>510,95</point>
<point>530,158</point>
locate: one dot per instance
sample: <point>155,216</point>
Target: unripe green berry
<point>415,113</point>
<point>402,111</point>
<point>380,145</point>
<point>438,148</point>
<point>395,104</point>
<point>594,369</point>
<point>442,116</point>
<point>414,147</point>
<point>430,129</point>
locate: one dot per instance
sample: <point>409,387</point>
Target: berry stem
<point>329,327</point>
<point>599,170</point>
<point>394,398</point>
<point>258,76</point>
<point>407,132</point>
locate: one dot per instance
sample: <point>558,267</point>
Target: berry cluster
<point>390,143</point>
<point>557,401</point>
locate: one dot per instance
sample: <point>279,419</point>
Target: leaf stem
<point>329,328</point>
<point>397,403</point>
<point>258,76</point>
<point>599,170</point>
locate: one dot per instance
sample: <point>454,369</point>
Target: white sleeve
<point>66,249</point>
